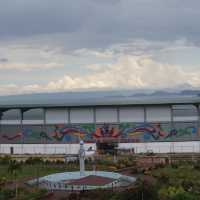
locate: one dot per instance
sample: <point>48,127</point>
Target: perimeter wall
<point>125,124</point>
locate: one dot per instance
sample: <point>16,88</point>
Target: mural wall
<point>158,132</point>
<point>126,132</point>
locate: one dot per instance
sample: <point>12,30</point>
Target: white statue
<point>82,158</point>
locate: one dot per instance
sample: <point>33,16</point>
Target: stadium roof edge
<point>46,101</point>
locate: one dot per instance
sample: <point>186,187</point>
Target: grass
<point>39,170</point>
<point>35,170</point>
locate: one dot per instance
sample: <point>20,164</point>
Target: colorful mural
<point>106,131</point>
<point>125,131</point>
<point>27,133</point>
<point>60,133</point>
<point>18,135</point>
<point>66,133</point>
<point>154,132</point>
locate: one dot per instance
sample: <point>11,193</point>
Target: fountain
<point>82,179</point>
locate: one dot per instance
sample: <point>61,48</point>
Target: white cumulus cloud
<point>134,72</point>
<point>130,72</point>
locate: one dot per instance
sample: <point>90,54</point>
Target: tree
<point>13,168</point>
<point>145,190</point>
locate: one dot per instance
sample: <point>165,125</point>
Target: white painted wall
<point>32,122</point>
<point>163,147</point>
<point>131,114</point>
<point>185,118</point>
<point>156,147</point>
<point>106,115</point>
<point>44,148</point>
<point>82,115</point>
<point>10,122</point>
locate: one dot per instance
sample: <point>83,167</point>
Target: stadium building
<point>55,123</point>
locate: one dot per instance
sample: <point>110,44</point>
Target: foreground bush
<point>175,193</point>
<point>6,194</point>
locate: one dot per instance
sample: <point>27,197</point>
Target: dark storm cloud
<point>97,23</point>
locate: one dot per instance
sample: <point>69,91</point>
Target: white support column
<point>44,118</point>
<point>21,123</point>
<point>145,114</point>
<point>1,114</point>
<point>172,117</point>
<point>118,115</point>
<point>69,115</point>
<point>198,123</point>
<point>94,116</point>
<point>118,124</point>
<point>44,121</point>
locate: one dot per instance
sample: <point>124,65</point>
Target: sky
<point>64,45</point>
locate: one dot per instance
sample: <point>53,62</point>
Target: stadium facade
<point>64,118</point>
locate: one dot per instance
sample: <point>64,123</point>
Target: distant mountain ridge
<point>106,94</point>
<point>165,93</point>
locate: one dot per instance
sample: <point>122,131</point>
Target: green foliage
<point>182,180</point>
<point>175,193</point>
<point>125,162</point>
<point>23,194</point>
<point>197,165</point>
<point>6,193</point>
<point>163,178</point>
<point>14,167</point>
<point>185,196</point>
<point>5,160</point>
<point>179,181</point>
<point>34,160</point>
<point>34,195</point>
<point>3,180</point>
<point>94,194</point>
<point>174,165</point>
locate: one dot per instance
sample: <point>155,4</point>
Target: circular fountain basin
<point>89,181</point>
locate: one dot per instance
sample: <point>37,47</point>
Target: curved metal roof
<point>89,99</point>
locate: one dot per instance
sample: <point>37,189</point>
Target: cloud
<point>29,66</point>
<point>133,72</point>
<point>129,72</point>
<point>3,60</point>
<point>28,55</point>
<point>92,52</point>
<point>94,23</point>
<point>97,44</point>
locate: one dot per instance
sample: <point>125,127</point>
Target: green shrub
<point>175,193</point>
<point>5,160</point>
<point>6,194</point>
<point>34,160</point>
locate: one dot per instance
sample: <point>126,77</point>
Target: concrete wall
<point>43,148</point>
<point>163,147</point>
<point>156,147</point>
<point>127,123</point>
